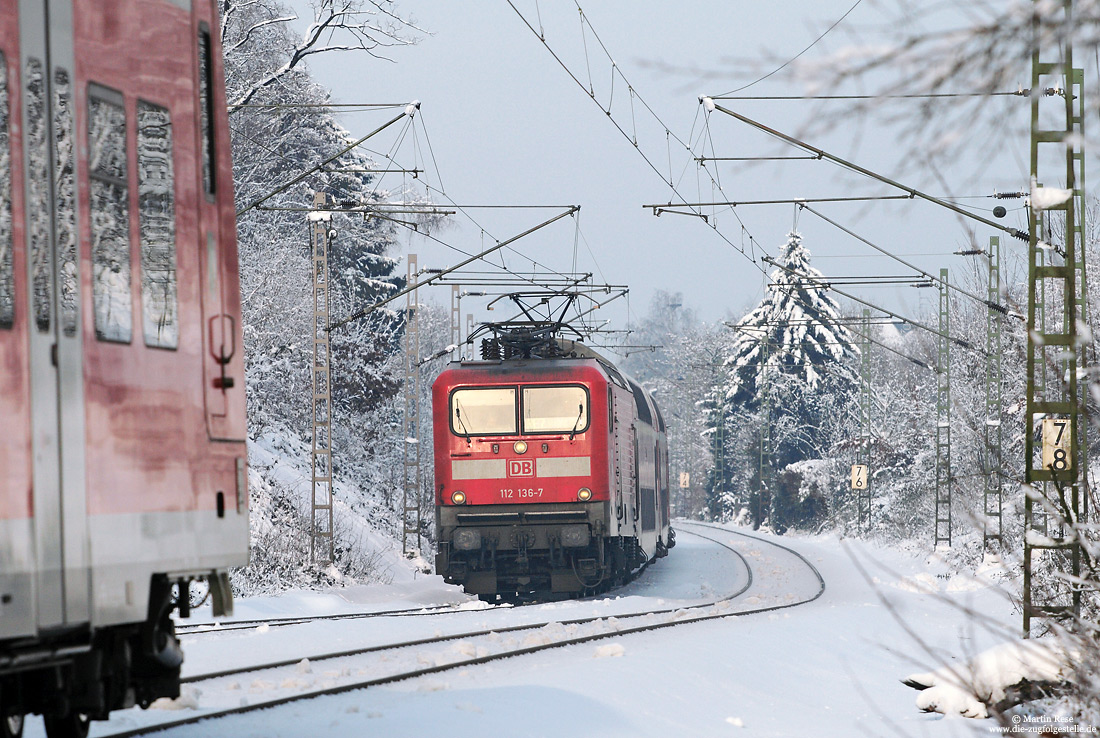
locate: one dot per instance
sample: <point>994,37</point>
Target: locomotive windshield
<point>555,409</point>
<point>486,411</point>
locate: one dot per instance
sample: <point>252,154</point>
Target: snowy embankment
<point>280,488</point>
<point>828,668</point>
<point>994,679</point>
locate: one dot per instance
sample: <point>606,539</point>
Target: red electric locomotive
<point>123,453</point>
<point>551,472</point>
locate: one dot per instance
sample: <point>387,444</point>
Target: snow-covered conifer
<point>790,366</point>
<point>795,331</point>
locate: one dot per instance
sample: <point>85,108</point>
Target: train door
<point>625,475</point>
<point>635,478</point>
<point>53,305</point>
<point>223,366</point>
<point>16,541</point>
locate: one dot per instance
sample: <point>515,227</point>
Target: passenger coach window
<point>37,168</point>
<point>555,409</point>
<point>110,215</point>
<point>68,276</point>
<point>206,111</point>
<point>157,222</point>
<point>482,412</point>
<point>7,275</point>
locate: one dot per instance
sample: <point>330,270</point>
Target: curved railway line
<point>601,627</point>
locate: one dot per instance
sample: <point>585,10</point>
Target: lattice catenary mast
<point>1054,465</point>
<point>411,515</point>
<point>863,451</point>
<point>321,541</point>
<point>944,480</point>
<point>993,531</point>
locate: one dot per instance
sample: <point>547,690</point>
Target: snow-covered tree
<point>678,374</point>
<point>281,125</point>
<point>789,367</point>
<point>795,331</point>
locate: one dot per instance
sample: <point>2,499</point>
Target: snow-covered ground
<point>827,668</point>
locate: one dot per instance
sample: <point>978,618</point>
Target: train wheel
<point>71,725</point>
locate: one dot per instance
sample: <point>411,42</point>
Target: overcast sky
<point>507,125</point>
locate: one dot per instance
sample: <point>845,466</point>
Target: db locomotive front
<point>551,475</point>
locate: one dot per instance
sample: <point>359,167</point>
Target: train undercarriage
<point>74,676</point>
<point>555,551</point>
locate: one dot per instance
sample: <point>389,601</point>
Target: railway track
<point>190,629</point>
<point>487,645</point>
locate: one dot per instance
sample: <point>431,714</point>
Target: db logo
<point>521,468</point>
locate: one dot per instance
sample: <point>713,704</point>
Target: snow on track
<point>808,670</point>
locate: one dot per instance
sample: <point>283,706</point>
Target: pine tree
<point>789,367</point>
<point>797,326</point>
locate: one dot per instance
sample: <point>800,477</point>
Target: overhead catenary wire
<point>669,135</point>
<point>634,96</point>
<point>912,96</point>
<point>935,278</point>
<point>1014,232</point>
<point>786,347</point>
<point>909,321</point>
<point>409,288</point>
<point>795,57</point>
<point>317,167</point>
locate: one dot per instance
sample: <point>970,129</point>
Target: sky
<point>501,123</point>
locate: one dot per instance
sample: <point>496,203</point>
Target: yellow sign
<point>859,476</point>
<point>1057,444</point>
<point>685,480</point>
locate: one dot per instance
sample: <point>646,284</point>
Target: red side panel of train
<point>122,380</point>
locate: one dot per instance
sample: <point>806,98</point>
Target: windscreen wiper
<point>580,414</point>
<point>458,417</point>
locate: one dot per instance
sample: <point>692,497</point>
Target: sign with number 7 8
<point>1057,444</point>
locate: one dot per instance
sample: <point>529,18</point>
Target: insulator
<point>1009,195</point>
<point>490,349</point>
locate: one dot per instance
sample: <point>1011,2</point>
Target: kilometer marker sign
<point>1057,444</point>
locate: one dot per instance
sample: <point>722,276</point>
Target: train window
<point>613,373</point>
<point>157,223</point>
<point>68,276</point>
<point>660,418</point>
<point>206,109</point>
<point>560,409</point>
<point>483,411</point>
<point>7,274</point>
<point>110,215</point>
<point>643,406</point>
<point>38,195</point>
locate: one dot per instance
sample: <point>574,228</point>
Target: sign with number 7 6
<point>1057,444</point>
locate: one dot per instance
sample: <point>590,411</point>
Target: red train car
<point>122,390</point>
<point>551,475</point>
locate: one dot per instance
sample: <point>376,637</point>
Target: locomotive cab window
<point>561,409</point>
<point>483,411</point>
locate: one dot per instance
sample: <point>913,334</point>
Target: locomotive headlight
<point>520,447</point>
<point>458,497</point>
<point>584,494</point>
